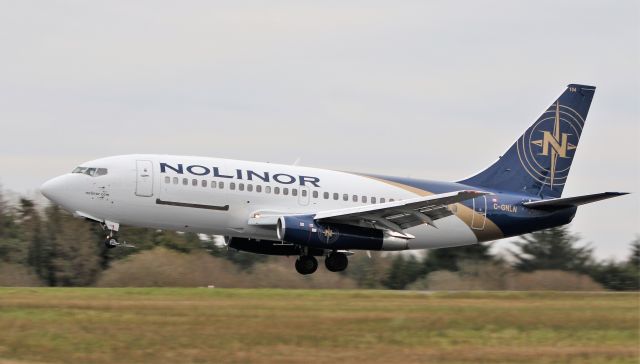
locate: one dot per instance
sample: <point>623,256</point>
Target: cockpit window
<point>91,171</point>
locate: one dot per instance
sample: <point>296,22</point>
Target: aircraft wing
<point>564,202</point>
<point>395,216</point>
<point>399,215</point>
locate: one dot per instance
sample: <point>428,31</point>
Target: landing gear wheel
<point>336,262</point>
<point>111,242</point>
<point>306,264</point>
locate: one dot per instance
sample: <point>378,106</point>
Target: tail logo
<point>546,149</point>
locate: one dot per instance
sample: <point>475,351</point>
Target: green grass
<point>293,326</point>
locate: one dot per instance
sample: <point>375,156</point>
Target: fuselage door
<point>303,197</point>
<point>144,178</point>
<point>479,217</point>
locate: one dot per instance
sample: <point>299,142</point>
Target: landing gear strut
<point>306,264</point>
<point>111,241</point>
<point>336,262</point>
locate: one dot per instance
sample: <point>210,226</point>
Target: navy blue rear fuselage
<point>504,209</point>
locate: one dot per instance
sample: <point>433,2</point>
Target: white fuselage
<point>219,196</point>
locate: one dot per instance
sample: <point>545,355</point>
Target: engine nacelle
<point>303,230</point>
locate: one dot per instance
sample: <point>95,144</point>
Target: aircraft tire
<point>306,264</point>
<point>111,243</point>
<point>336,262</point>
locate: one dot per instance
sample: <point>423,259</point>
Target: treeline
<point>47,246</point>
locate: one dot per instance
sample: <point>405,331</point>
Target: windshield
<point>91,171</point>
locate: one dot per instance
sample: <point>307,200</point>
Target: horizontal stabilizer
<point>560,203</point>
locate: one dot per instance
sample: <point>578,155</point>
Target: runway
<point>168,325</point>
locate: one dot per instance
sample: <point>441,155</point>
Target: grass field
<point>92,325</point>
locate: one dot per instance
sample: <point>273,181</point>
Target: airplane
<point>290,210</point>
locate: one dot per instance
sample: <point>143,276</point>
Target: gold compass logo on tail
<point>546,149</point>
<point>554,144</point>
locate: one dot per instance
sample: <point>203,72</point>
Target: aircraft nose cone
<point>52,189</point>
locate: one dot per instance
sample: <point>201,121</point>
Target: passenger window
<point>213,184</point>
<point>315,194</point>
<point>259,188</point>
<point>175,180</point>
<point>336,196</point>
<point>167,179</point>
<point>373,200</point>
<point>382,200</point>
<point>304,193</point>
<point>294,192</point>
<point>241,186</point>
<point>355,198</point>
<point>232,186</point>
<point>249,187</point>
<point>194,182</point>
<point>220,185</point>
<point>185,181</point>
<point>204,183</point>
<point>267,189</point>
<point>285,191</point>
<point>276,190</point>
<point>391,200</point>
<point>345,197</point>
<point>326,195</point>
<point>364,199</point>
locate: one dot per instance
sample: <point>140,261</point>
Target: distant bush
<point>483,276</point>
<point>16,275</point>
<point>552,280</point>
<point>161,267</point>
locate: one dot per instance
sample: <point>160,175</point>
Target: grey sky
<point>424,89</point>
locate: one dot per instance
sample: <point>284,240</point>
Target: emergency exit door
<point>303,198</point>
<point>479,217</point>
<point>144,178</point>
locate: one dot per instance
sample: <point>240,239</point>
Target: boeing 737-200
<point>305,212</point>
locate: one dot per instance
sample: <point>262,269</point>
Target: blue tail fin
<point>538,163</point>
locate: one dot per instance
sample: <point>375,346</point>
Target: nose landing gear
<point>111,241</point>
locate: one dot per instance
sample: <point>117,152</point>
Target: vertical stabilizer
<point>538,162</point>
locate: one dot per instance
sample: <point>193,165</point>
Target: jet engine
<point>304,230</point>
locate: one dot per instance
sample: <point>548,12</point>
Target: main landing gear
<point>335,262</point>
<point>306,264</point>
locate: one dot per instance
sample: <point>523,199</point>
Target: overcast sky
<point>424,89</point>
